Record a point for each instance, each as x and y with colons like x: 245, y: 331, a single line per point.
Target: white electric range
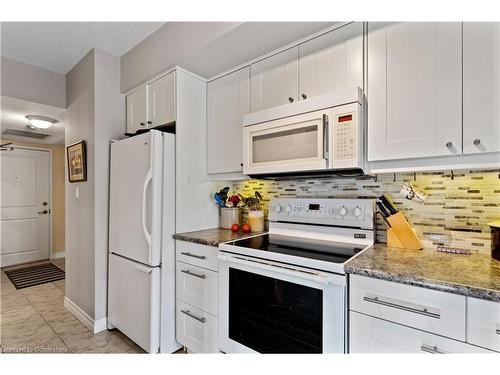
x: 285, y: 291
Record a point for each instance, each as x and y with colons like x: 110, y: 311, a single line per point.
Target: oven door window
x: 270, y: 315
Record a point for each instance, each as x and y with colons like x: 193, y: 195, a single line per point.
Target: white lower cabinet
x: 196, y: 284
x: 483, y: 323
x: 372, y: 335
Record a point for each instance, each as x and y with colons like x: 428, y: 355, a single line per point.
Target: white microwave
x: 322, y: 134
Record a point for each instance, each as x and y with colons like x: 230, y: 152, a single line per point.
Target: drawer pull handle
x: 202, y: 257
x: 198, y: 318
x: 498, y: 331
x: 188, y: 272
x: 424, y: 311
x: 431, y: 349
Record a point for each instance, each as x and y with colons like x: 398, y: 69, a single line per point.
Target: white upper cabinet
x: 161, y: 101
x: 414, y: 90
x: 136, y: 110
x: 332, y: 61
x: 227, y: 102
x: 481, y: 129
x: 274, y: 80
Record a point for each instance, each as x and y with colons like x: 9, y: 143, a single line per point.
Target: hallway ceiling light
x: 40, y: 122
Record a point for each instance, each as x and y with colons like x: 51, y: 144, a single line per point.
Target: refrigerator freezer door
x: 134, y: 301
x: 135, y: 202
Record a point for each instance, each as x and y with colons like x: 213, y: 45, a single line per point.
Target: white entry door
x: 24, y: 206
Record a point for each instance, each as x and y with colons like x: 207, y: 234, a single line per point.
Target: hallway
x: 34, y: 320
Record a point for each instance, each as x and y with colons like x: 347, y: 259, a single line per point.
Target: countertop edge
x: 443, y: 286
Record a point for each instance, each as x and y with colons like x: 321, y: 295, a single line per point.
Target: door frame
x: 51, y: 216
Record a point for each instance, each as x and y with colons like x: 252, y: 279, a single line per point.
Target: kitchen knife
x: 389, y: 199
x: 382, y: 210
x: 390, y: 207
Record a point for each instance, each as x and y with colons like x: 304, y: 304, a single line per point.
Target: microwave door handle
x: 325, y: 136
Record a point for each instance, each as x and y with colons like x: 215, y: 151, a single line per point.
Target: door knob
x: 304, y: 96
x: 44, y: 212
x: 44, y: 203
x: 290, y: 99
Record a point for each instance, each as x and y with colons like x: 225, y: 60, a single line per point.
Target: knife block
x: 401, y: 234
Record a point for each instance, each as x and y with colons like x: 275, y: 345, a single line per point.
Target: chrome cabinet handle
x: 150, y: 122
x: 198, y: 318
x: 477, y: 142
x: 431, y: 349
x: 142, y: 123
x: 498, y: 331
x: 449, y: 144
x: 188, y: 254
x: 423, y: 311
x: 325, y: 136
x: 290, y: 99
x: 188, y: 272
x: 44, y: 212
x: 304, y: 96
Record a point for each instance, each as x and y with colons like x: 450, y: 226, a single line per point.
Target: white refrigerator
x: 141, y: 288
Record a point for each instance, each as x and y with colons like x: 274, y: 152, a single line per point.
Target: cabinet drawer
x: 195, y: 329
x: 372, y: 335
x: 483, y: 323
x: 197, y: 286
x: 425, y: 309
x: 198, y: 255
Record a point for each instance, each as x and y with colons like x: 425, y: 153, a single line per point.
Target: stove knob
x: 288, y: 208
x: 343, y: 211
x: 358, y: 211
x: 278, y: 208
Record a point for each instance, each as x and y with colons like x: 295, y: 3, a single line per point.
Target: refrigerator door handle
x: 147, y: 180
x: 144, y: 269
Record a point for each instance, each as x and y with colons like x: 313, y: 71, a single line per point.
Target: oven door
x: 293, y: 144
x: 269, y: 307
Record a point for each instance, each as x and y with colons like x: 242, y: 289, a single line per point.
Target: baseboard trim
x: 57, y: 255
x: 82, y: 316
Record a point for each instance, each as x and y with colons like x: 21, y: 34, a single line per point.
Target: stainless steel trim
x: 424, y: 311
x: 188, y: 313
x: 325, y: 137
x: 188, y: 272
x: 431, y: 349
x: 202, y: 257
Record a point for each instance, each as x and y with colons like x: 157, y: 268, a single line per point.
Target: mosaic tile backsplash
x: 455, y: 214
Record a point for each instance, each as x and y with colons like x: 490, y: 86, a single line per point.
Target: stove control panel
x: 358, y: 213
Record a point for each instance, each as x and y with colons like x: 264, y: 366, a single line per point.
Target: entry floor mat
x: 34, y: 275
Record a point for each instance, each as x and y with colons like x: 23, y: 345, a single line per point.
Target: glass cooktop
x: 328, y: 251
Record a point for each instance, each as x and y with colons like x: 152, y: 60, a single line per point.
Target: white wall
x: 95, y: 113
x: 33, y: 84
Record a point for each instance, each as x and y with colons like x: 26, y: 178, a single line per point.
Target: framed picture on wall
x: 77, y: 162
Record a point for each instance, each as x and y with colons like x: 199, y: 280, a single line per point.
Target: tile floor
x: 34, y: 320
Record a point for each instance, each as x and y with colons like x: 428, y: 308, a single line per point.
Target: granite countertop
x: 214, y: 236
x: 476, y: 275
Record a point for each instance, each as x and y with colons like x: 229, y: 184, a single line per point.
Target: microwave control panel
x: 345, y: 136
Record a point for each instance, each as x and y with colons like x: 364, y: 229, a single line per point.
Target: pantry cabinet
x: 326, y: 63
x: 227, y: 101
x: 481, y: 96
x: 332, y: 61
x: 161, y: 101
x: 274, y: 80
x: 137, y: 110
x: 414, y: 90
x: 152, y: 104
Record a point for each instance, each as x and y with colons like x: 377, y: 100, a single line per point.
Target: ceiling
x: 13, y: 112
x: 58, y: 46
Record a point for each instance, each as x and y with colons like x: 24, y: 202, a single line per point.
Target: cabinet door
x: 136, y: 110
x: 481, y: 87
x: 274, y: 81
x: 414, y: 90
x: 332, y: 61
x: 372, y: 335
x: 161, y: 101
x: 227, y: 102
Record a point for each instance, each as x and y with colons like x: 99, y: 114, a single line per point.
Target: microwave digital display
x: 314, y: 207
x: 345, y: 118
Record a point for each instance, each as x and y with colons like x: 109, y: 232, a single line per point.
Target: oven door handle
x: 319, y: 278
